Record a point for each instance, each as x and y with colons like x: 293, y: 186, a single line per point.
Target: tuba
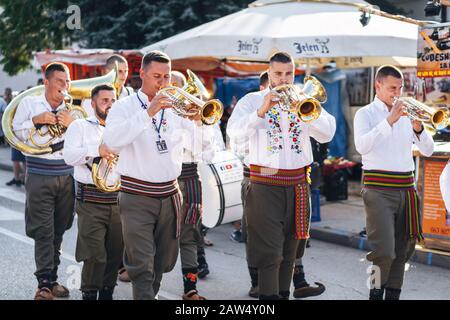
x: 188, y: 101
x: 79, y: 89
x: 305, y: 102
x: 432, y: 118
x: 101, y: 168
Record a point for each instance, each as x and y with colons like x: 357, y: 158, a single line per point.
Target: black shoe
x: 18, y: 183
x: 253, y: 292
x: 376, y: 294
x: 89, y: 295
x: 203, y: 271
x: 392, y: 294
x: 363, y: 233
x: 106, y: 293
x: 236, y: 236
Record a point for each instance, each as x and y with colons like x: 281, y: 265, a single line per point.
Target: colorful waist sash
x: 48, y: 167
x: 192, y: 206
x: 246, y: 171
x: 155, y: 190
x: 90, y: 193
x: 400, y: 181
x: 298, y: 178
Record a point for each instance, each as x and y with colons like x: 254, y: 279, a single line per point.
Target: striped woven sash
x: 192, y: 206
x: 90, y: 193
x: 48, y: 167
x: 298, y: 178
x: 401, y: 181
x: 246, y: 171
x: 155, y: 190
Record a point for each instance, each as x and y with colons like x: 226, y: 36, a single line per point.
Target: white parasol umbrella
x: 306, y: 29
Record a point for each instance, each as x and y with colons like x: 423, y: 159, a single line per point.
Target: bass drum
x: 221, y: 189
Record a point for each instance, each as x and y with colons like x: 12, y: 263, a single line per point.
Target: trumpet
x: 305, y: 102
x: 101, y: 169
x: 432, y: 118
x: 188, y: 101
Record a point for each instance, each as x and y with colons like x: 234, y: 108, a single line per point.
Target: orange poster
x: 434, y: 214
x: 433, y: 51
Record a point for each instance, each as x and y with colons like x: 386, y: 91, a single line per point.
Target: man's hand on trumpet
x: 45, y: 118
x: 398, y: 110
x: 106, y: 152
x: 270, y: 99
x: 160, y: 101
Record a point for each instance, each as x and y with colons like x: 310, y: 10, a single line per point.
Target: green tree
x: 30, y: 25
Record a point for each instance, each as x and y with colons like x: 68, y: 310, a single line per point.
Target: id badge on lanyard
x: 161, y: 144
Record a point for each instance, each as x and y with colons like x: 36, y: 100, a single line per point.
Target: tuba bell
x: 192, y: 100
x: 432, y: 118
x: 78, y: 90
x: 101, y: 169
x: 305, y: 102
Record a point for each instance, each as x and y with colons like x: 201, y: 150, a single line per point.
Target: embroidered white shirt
x: 384, y: 147
x: 245, y: 123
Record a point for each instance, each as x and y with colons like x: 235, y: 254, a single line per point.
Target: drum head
x: 221, y: 189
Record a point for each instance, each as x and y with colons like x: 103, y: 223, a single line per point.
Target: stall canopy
x: 311, y: 30
x: 86, y: 63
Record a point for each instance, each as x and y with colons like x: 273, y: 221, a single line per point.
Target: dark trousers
x: 386, y: 234
x: 272, y: 247
x: 148, y: 226
x: 49, y: 212
x: 99, y: 244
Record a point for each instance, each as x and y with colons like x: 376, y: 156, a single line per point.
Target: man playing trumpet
x: 151, y: 139
x: 99, y: 243
x: 276, y: 205
x: 384, y: 137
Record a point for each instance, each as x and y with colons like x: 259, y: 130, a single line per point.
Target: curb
x: 354, y: 240
x: 6, y: 167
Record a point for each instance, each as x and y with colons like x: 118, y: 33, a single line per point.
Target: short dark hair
x: 155, y: 55
x: 263, y: 78
x: 388, y: 70
x: 111, y: 61
x: 55, y: 66
x: 282, y: 57
x: 100, y: 87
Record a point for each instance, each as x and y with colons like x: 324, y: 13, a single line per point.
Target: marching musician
x: 151, y: 139
x: 191, y: 189
x: 384, y: 137
x: 122, y: 76
x: 99, y: 242
x: 277, y: 200
x: 49, y: 183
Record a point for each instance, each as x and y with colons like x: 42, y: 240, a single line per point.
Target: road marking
x: 162, y: 294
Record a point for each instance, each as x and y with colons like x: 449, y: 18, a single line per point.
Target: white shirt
x: 444, y: 182
x: 130, y: 131
x: 83, y: 137
x: 384, y: 147
x: 244, y: 122
x: 29, y: 107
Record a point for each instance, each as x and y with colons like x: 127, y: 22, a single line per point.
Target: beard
x: 102, y: 115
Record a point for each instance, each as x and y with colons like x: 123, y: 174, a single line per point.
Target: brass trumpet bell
x: 432, y: 118
x: 305, y: 102
x: 192, y: 100
x: 101, y: 169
